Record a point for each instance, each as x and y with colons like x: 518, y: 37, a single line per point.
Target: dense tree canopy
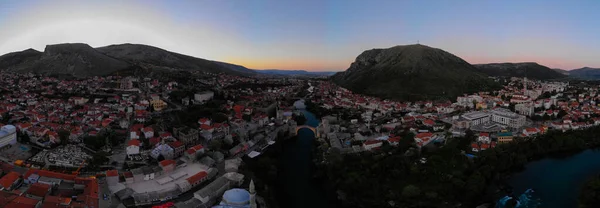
x: 374, y: 179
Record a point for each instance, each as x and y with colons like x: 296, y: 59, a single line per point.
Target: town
x: 128, y: 141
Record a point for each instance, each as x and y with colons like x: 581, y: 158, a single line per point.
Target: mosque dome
x: 236, y: 197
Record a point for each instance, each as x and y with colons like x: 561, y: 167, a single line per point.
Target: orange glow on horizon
x: 287, y: 64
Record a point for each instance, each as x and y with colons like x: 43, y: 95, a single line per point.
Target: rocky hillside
x: 412, y: 72
x: 80, y: 60
x: 150, y: 56
x: 586, y: 73
x: 529, y: 69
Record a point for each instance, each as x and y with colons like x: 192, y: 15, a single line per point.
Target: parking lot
x: 16, y: 152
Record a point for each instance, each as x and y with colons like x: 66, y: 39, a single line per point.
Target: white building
x: 477, y: 117
x: 163, y: 149
x: 8, y: 135
x: 203, y: 96
x: 524, y: 109
x: 508, y: 118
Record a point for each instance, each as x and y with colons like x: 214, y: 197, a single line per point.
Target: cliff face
x: 412, y: 72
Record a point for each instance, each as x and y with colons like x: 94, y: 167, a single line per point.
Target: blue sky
x: 315, y: 35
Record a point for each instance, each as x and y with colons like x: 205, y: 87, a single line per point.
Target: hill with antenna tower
x: 412, y: 72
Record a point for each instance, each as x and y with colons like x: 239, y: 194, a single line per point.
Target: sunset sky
x: 315, y: 35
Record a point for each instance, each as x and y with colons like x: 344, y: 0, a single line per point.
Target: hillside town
x: 125, y: 141
x: 131, y: 141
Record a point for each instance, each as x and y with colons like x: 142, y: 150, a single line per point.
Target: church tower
x: 252, y: 195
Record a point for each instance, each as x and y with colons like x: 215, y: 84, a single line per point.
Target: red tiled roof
x: 23, y: 202
x: 165, y: 163
x: 8, y: 180
x: 50, y: 174
x: 484, y: 134
x: 38, y: 189
x: 421, y: 135
x: 112, y: 173
x: 206, y: 127
x: 196, y: 177
x: 394, y: 139
x: 133, y: 142
x: 175, y: 144
x: 154, y: 140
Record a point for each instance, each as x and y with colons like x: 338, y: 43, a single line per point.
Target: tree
x: 411, y: 191
x: 215, y: 144
x: 63, y: 135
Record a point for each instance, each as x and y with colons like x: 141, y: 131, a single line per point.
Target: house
x: 505, y: 137
x: 112, y: 177
x: 204, y: 121
x: 372, y: 144
x: 531, y: 131
x: 207, y: 128
x: 177, y: 147
x: 394, y: 140
x: 133, y: 147
x: 24, y: 202
x: 423, y: 139
x: 197, y: 178
x: 428, y: 122
x: 148, y: 132
x: 476, y: 147
x: 162, y: 149
x: 484, y: 138
x: 167, y: 165
x: 194, y: 151
x: 38, y: 191
x: 10, y: 181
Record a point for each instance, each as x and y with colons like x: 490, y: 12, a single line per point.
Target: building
x: 525, y: 109
x: 177, y: 147
x: 476, y: 117
x: 133, y: 147
x: 372, y: 144
x: 505, y: 137
x: 126, y: 83
x: 193, y: 152
x: 167, y: 165
x: 187, y: 135
x: 8, y: 136
x: 508, y: 118
x: 10, y: 181
x: 162, y: 149
x: 112, y: 177
x: 158, y: 104
x: 203, y: 96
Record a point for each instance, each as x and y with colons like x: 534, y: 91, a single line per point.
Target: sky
x: 315, y: 35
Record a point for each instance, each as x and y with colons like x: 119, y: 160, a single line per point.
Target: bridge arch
x: 313, y: 129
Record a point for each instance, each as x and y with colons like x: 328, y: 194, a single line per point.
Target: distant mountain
x: 19, y: 59
x: 81, y: 60
x: 528, y: 69
x: 75, y: 59
x: 412, y: 72
x: 586, y: 73
x: 293, y: 72
x: 562, y: 71
x: 149, y: 56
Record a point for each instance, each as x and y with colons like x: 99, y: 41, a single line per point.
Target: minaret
x: 525, y: 86
x: 252, y: 195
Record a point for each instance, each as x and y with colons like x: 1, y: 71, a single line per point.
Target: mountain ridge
x: 531, y: 70
x: 81, y: 60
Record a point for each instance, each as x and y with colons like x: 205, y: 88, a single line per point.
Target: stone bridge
x: 313, y: 129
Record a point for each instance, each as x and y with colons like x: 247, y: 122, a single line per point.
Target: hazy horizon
x: 314, y: 35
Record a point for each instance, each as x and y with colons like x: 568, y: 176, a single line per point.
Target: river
x: 297, y: 189
x: 558, y: 181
